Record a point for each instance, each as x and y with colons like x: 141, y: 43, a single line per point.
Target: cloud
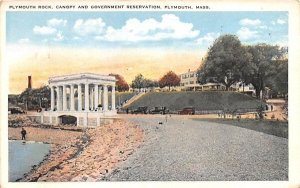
x: 24, y: 41
x: 89, y: 26
x: 44, y: 30
x: 207, y: 39
x: 246, y: 34
x: 76, y: 38
x: 50, y: 28
x: 56, y: 22
x: 134, y: 30
x: 59, y: 36
x: 281, y: 21
x: 278, y: 21
x: 249, y: 22
x: 263, y: 27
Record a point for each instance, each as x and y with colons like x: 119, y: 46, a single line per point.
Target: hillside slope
x: 206, y: 100
x: 121, y: 97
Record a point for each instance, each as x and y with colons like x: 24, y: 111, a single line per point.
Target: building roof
x: 81, y: 76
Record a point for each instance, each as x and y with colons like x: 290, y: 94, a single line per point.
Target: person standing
x: 23, y: 133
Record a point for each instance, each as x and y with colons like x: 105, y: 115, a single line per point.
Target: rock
x: 90, y: 179
x: 77, y: 179
x: 108, y: 145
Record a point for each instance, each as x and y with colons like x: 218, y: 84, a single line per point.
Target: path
x: 188, y: 150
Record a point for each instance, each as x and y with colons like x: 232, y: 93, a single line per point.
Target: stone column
x: 52, y: 98
x: 105, y: 98
x: 79, y: 98
x: 86, y: 97
x: 113, y: 97
x: 72, y: 105
x: 64, y: 98
x: 96, y: 96
x: 100, y: 96
x: 91, y: 99
x: 58, y: 103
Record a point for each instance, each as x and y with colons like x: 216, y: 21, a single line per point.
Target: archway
x: 68, y: 120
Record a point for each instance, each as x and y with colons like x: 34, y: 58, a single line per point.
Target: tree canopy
x: 150, y: 83
x: 138, y: 82
x: 169, y: 79
x: 121, y: 84
x: 34, y: 98
x: 279, y: 82
x: 225, y: 63
x: 229, y: 62
x: 263, y: 66
x: 141, y: 82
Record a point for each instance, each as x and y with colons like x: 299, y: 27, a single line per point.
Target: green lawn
x: 205, y: 100
x: 121, y: 97
x: 272, y: 127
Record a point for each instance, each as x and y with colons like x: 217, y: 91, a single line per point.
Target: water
x: 22, y: 156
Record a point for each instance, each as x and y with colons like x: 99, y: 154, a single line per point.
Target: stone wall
x: 35, y: 119
x: 46, y: 120
x: 92, y: 121
x: 80, y: 121
x: 54, y: 120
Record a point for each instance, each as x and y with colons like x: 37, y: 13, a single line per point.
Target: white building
x: 189, y: 82
x: 241, y: 87
x: 83, y: 96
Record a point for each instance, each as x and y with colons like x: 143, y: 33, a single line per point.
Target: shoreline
x: 81, y: 156
x: 28, y: 142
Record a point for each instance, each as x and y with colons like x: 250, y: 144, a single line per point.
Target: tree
x: 225, y: 63
x: 262, y: 65
x: 34, y: 98
x: 169, y: 79
x: 279, y: 82
x: 121, y: 84
x: 138, y: 82
x: 150, y: 83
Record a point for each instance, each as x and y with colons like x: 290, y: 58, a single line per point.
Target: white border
x: 293, y: 7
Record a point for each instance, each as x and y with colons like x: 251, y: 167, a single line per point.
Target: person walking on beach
x: 23, y: 133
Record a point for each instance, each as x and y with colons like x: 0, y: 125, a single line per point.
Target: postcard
x: 143, y: 93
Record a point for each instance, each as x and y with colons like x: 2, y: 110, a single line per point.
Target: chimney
x: 29, y: 82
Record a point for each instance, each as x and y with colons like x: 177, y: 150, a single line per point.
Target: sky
x: 44, y: 44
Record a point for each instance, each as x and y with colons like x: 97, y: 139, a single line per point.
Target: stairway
x: 134, y: 98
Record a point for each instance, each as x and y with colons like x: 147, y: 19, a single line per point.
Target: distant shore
x: 81, y: 156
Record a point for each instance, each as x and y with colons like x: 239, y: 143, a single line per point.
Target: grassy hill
x: 206, y: 100
x: 121, y: 97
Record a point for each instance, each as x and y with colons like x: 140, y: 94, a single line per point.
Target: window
x: 191, y: 82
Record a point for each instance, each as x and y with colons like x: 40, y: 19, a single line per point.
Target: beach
x: 81, y: 155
